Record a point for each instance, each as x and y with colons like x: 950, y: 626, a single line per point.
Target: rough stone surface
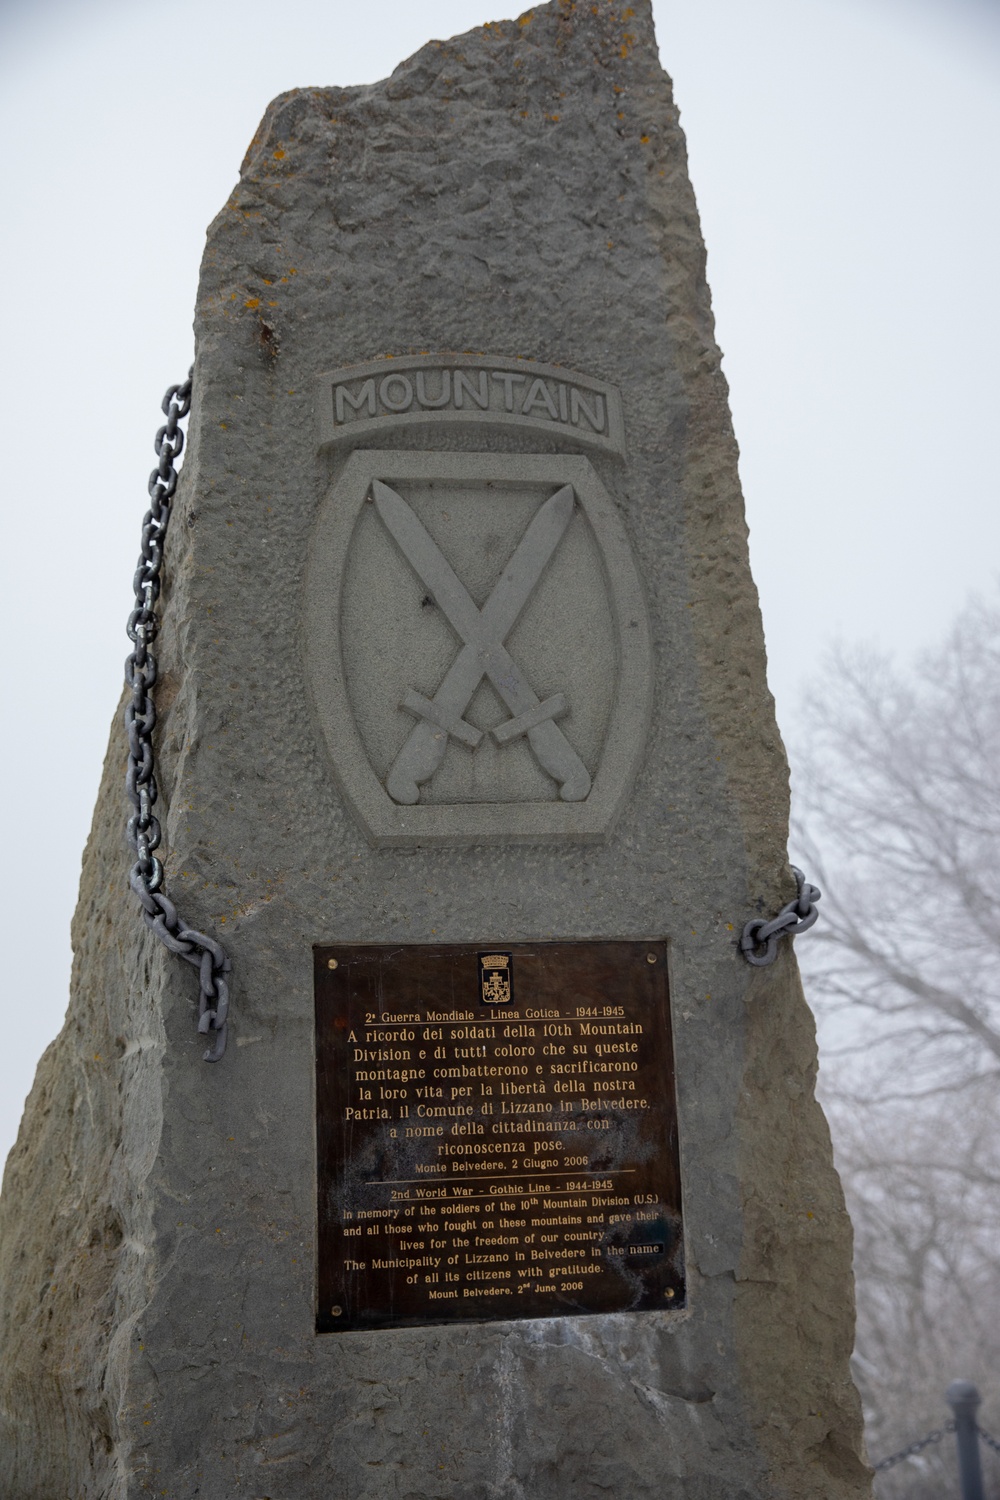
x: 520, y: 191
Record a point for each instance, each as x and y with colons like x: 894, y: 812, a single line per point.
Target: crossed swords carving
x: 483, y: 654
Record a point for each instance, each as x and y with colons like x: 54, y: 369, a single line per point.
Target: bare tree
x: 898, y: 791
x: 923, y: 1187
x: 898, y: 820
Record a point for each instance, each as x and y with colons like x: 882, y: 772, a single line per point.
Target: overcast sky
x: 844, y: 155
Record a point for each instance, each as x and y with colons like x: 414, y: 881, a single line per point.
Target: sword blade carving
x: 483, y: 652
x: 427, y: 561
x: 528, y: 561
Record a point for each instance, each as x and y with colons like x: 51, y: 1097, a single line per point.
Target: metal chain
x: 759, y: 939
x: 991, y: 1442
x: 146, y: 877
x: 914, y: 1448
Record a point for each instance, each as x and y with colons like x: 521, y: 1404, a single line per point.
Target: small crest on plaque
x: 495, y: 978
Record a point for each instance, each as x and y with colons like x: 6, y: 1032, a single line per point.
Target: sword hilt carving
x: 556, y: 755
x: 416, y: 762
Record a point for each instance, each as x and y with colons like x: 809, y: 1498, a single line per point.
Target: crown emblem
x: 495, y: 978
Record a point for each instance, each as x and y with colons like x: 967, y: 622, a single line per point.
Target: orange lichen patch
x: 524, y: 114
x: 526, y: 19
x: 252, y: 302
x: 644, y: 139
x: 621, y: 114
x: 553, y: 118
x: 279, y: 156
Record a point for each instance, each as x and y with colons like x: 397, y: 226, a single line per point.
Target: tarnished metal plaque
x: 496, y: 1133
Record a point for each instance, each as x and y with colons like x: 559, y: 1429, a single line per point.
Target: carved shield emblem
x: 478, y: 647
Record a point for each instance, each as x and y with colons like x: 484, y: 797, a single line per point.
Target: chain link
x: 759, y: 939
x: 146, y: 877
x: 914, y: 1448
x: 991, y: 1442
x: 925, y: 1442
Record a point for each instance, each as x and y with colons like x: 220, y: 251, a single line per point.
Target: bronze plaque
x: 496, y: 1133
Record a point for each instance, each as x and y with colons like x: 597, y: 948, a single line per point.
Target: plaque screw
x: 651, y: 958
x: 670, y: 1294
x: 331, y: 963
x: 336, y: 1312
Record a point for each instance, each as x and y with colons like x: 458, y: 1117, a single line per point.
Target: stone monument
x: 511, y: 1184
